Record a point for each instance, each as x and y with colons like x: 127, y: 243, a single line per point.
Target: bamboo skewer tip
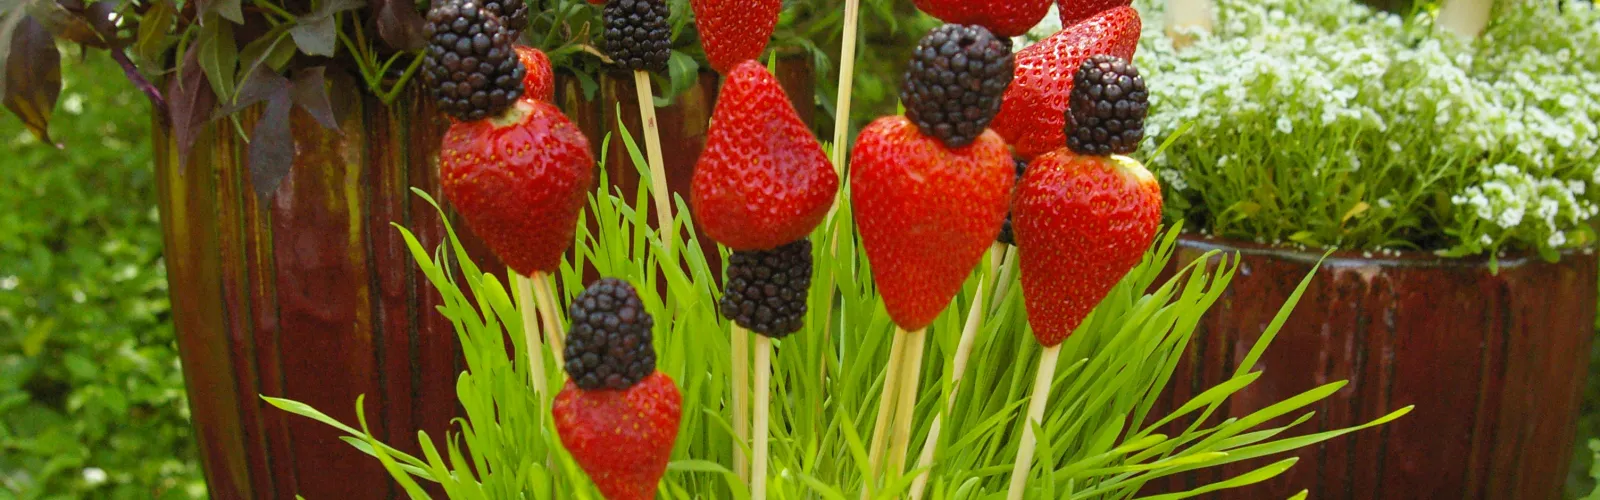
x: 1036, y: 407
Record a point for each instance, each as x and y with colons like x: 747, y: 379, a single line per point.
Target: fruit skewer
x: 511, y: 164
x: 638, y: 38
x: 938, y: 170
x: 1085, y: 216
x: 761, y: 186
x: 732, y: 32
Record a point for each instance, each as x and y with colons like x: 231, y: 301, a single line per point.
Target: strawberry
x: 1006, y: 18
x: 519, y: 180
x: 1082, y: 222
x: 541, y: 81
x: 762, y: 180
x: 1073, y: 11
x: 733, y: 31
x: 1032, y: 116
x: 926, y: 211
x: 621, y: 438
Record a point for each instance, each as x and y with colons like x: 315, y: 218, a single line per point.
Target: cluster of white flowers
x: 1314, y: 106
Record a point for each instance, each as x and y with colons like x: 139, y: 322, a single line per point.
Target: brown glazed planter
x: 1494, y: 363
x: 312, y: 296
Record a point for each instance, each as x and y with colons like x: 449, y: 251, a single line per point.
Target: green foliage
x: 827, y: 381
x: 1323, y: 123
x: 91, y: 395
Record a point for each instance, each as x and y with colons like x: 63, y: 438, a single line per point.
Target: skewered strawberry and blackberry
x: 637, y: 35
x: 766, y: 290
x: 469, y: 63
x: 1108, y: 106
x: 761, y: 185
x: 618, y: 416
x: 955, y: 82
x: 609, y: 345
x: 1033, y: 117
x: 1085, y: 217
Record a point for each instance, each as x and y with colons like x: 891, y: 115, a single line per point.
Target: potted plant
x: 288, y: 135
x: 1452, y: 179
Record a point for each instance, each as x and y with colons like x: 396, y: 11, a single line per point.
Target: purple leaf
x: 311, y: 95
x: 399, y: 24
x: 272, y: 145
x: 189, y: 103
x: 315, y: 33
x: 259, y: 85
x: 33, y: 76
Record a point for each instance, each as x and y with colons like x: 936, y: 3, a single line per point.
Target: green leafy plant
x: 1325, y: 123
x: 1101, y: 439
x: 91, y: 393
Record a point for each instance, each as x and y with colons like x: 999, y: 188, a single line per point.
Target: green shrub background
x: 89, y: 374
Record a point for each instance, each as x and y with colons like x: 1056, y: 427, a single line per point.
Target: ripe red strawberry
x: 926, y: 212
x: 1006, y: 18
x: 1032, y: 116
x: 762, y: 180
x: 733, y: 31
x: 519, y: 180
x: 1081, y: 222
x: 540, y: 83
x: 621, y: 438
x: 1073, y: 11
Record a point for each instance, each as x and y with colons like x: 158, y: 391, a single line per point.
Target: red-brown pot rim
x: 1387, y: 258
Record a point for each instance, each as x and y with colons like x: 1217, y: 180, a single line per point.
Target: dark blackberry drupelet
x: 469, y: 62
x: 514, y: 13
x: 766, y: 289
x: 1107, y: 107
x: 1006, y: 236
x: 637, y: 34
x: 955, y: 82
x: 609, y: 345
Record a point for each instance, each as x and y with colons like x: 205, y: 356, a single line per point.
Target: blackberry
x: 955, y: 82
x: 638, y: 37
x: 609, y: 345
x: 514, y: 13
x: 469, y: 63
x: 766, y: 289
x: 1005, y: 229
x: 1107, y: 107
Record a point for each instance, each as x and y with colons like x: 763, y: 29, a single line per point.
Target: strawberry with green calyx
x: 733, y: 31
x: 1007, y: 18
x: 1032, y: 117
x: 617, y: 415
x: 1074, y: 11
x: 519, y: 180
x: 762, y: 180
x: 927, y: 212
x: 540, y: 82
x: 1085, y: 215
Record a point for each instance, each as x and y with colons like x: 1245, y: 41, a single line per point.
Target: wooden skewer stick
x: 906, y: 408
x: 739, y: 338
x: 1465, y: 18
x: 847, y: 69
x: 658, y: 170
x: 758, y: 476
x: 551, y: 313
x: 1041, y: 394
x: 958, y: 364
x: 530, y: 332
x: 886, y: 406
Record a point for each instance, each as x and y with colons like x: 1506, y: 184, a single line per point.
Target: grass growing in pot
x: 1099, y: 439
x: 1328, y: 124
